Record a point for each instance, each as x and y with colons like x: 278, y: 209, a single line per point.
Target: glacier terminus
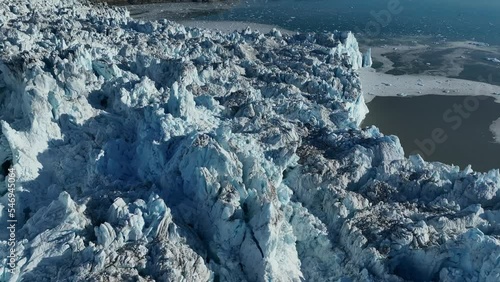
x: 150, y: 151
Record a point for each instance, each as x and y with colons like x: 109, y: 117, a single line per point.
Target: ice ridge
x: 149, y: 151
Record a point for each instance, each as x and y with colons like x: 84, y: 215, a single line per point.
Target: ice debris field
x: 148, y: 151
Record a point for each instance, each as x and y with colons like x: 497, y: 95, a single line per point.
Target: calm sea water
x: 453, y: 19
x: 449, y: 129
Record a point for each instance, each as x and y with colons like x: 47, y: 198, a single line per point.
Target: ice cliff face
x: 154, y: 152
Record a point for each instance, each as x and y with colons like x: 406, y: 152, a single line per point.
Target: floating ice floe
x: 494, y: 60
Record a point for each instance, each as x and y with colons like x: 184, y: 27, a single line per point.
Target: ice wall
x: 148, y: 151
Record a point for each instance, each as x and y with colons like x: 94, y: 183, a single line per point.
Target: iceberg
x: 150, y: 151
x: 494, y: 60
x: 367, y: 58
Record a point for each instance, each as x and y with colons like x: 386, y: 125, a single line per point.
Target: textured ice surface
x: 148, y: 151
x: 367, y: 58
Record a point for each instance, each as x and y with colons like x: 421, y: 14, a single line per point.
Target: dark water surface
x: 451, y: 19
x: 449, y: 129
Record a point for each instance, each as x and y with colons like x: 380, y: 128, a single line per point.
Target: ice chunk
x: 367, y: 58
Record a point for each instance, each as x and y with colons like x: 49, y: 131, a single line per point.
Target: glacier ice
x: 367, y: 58
x: 149, y: 151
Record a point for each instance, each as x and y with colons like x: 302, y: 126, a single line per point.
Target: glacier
x: 149, y: 151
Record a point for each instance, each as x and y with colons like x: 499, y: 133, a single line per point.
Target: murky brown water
x: 449, y: 129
